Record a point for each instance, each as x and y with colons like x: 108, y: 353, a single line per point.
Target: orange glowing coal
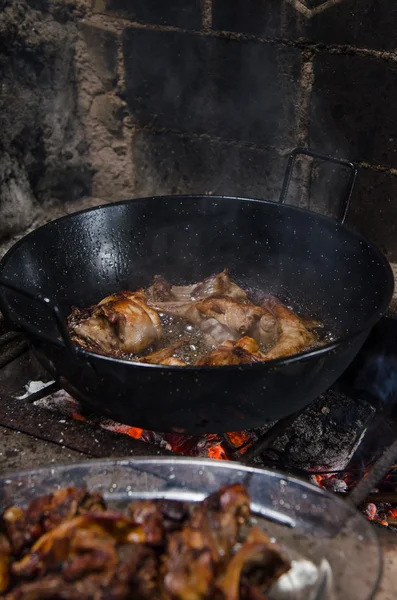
x: 241, y: 440
x: 210, y: 444
x: 217, y: 452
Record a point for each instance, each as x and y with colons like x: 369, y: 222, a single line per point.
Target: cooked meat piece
x: 160, y: 290
x: 162, y: 551
x: 175, y: 513
x: 158, y: 517
x: 221, y: 318
x: 134, y: 576
x: 206, y: 541
x: 52, y: 587
x: 244, y: 351
x: 122, y: 323
x: 258, y: 561
x: 248, y: 591
x: 54, y: 547
x: 45, y: 513
x: 240, y: 319
x: 219, y: 285
x: 293, y: 335
x: 223, y: 514
x: 173, y: 361
x: 165, y: 356
x: 189, y: 565
x: 148, y: 514
x: 5, y: 563
x: 19, y: 534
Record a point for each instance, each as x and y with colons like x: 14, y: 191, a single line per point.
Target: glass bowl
x: 334, y: 549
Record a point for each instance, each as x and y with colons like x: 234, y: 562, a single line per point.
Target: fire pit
x: 333, y: 443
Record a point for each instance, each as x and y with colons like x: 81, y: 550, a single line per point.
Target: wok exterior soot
x: 333, y: 274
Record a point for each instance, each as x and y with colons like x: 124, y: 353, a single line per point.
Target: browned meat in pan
x: 122, y: 323
x: 216, y: 285
x: 165, y: 356
x: 212, y: 323
x: 293, y: 337
x: 243, y: 351
x: 222, y: 318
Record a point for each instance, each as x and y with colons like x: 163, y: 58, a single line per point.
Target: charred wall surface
x: 109, y: 99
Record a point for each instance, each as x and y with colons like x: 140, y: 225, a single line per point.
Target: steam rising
x: 377, y: 374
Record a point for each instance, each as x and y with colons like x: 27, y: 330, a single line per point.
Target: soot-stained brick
x: 358, y: 23
x: 180, y: 13
x: 166, y: 163
x: 373, y: 210
x: 102, y: 49
x: 353, y: 109
x: 242, y: 90
x: 265, y: 18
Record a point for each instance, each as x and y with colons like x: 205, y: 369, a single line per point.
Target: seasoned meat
x: 237, y: 319
x: 205, y: 543
x: 213, y: 314
x: 132, y: 573
x: 98, y: 531
x: 223, y: 514
x: 158, y: 517
x: 293, y: 337
x: 45, y: 513
x: 5, y: 563
x: 245, y: 350
x: 165, y: 356
x: 258, y: 562
x: 122, y: 323
x: 164, y: 550
x: 222, y: 318
x: 175, y: 513
x: 218, y: 285
x: 189, y: 566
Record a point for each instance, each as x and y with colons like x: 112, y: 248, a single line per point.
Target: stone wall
x: 122, y: 98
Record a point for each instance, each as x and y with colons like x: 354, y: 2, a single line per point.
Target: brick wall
x: 210, y: 96
x: 220, y: 90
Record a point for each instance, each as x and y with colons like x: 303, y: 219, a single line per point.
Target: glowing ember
x: 217, y: 452
x: 208, y: 445
x: 242, y: 440
x: 381, y: 505
x: 134, y: 432
x: 78, y: 417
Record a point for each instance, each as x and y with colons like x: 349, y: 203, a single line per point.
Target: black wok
x: 312, y: 261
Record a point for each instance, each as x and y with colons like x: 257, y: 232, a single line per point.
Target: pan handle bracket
x: 52, y: 308
x: 338, y: 161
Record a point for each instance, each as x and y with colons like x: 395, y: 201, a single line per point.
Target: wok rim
x: 271, y: 364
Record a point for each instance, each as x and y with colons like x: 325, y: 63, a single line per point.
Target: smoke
x: 377, y: 374
x: 378, y: 378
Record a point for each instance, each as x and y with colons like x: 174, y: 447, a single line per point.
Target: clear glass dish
x: 335, y: 550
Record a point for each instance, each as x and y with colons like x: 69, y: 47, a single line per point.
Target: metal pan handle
x: 338, y: 161
x: 51, y: 307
